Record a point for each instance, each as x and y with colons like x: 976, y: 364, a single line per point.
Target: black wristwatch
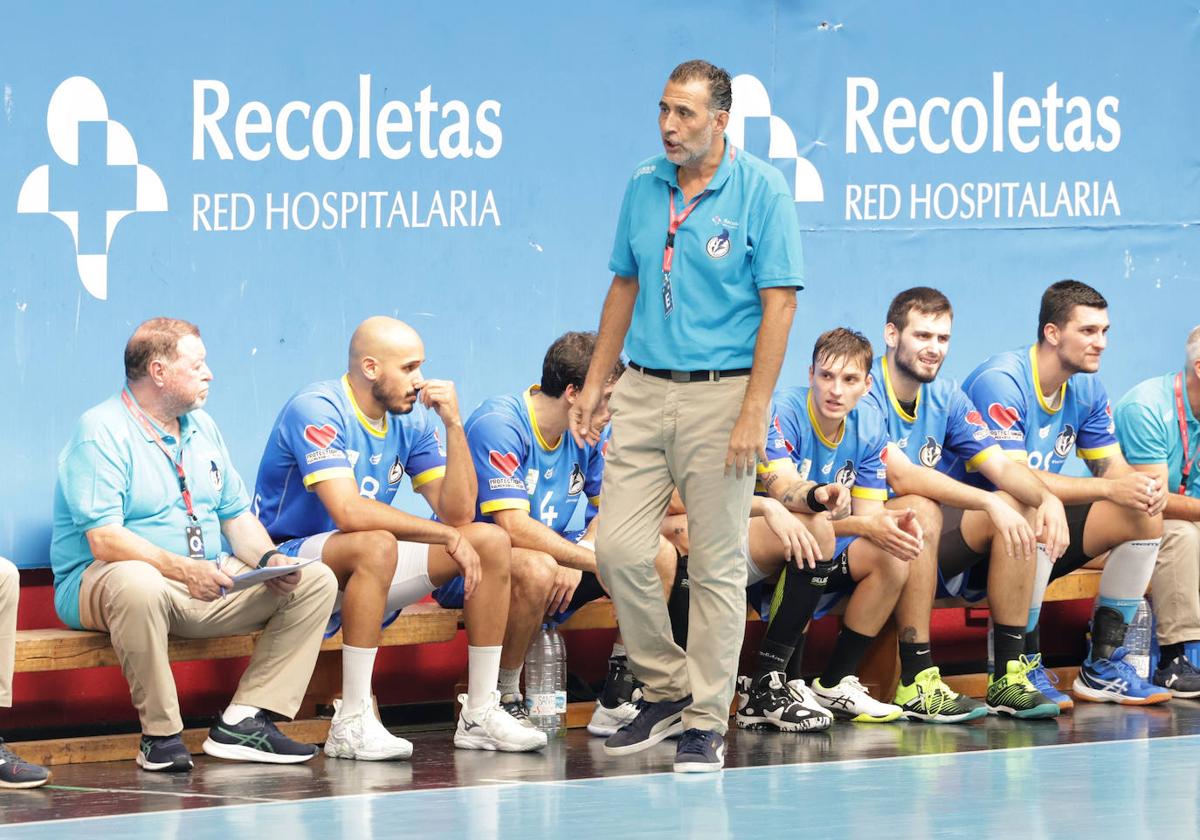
x: 266, y: 558
x: 811, y: 499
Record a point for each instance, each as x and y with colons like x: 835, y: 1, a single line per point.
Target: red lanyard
x: 140, y: 416
x: 675, y: 220
x: 1183, y: 434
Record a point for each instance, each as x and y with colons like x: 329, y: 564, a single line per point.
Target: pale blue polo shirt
x: 112, y: 473
x: 742, y: 237
x: 1148, y: 429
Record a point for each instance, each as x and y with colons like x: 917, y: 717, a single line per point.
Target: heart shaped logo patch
x: 320, y: 436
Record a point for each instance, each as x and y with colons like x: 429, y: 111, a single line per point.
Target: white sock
x: 618, y: 649
x: 483, y: 672
x: 1041, y: 579
x: 1126, y: 575
x: 235, y: 713
x: 357, y: 666
x: 509, y: 681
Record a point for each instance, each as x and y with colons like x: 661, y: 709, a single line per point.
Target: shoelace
x: 8, y: 755
x: 851, y: 683
x: 694, y: 741
x: 1127, y: 671
x: 1036, y: 667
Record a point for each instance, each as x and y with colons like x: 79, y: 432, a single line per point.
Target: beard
x: 389, y: 401
x: 689, y: 155
x: 907, y: 363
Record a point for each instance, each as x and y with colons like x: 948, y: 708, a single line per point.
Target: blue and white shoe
x: 1046, y: 682
x: 699, y: 751
x: 1115, y: 681
x: 655, y: 722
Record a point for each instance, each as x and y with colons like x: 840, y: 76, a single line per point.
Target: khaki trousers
x: 10, y: 588
x: 664, y: 435
x: 1175, y: 584
x: 139, y: 608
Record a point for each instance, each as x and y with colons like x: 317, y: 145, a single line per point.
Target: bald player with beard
x: 334, y: 460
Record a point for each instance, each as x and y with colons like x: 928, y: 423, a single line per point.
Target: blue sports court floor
x: 1098, y: 772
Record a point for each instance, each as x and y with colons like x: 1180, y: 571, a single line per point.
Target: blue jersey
x: 943, y: 431
x: 1008, y: 392
x: 856, y: 459
x: 321, y: 433
x: 517, y: 470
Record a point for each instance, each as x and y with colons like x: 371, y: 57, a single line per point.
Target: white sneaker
x: 807, y: 698
x: 606, y: 721
x: 357, y: 733
x: 850, y: 700
x: 492, y: 728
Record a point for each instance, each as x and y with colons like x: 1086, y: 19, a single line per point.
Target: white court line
x: 142, y: 792
x: 810, y: 766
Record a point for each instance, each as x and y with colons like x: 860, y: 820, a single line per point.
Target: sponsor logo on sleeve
x: 326, y: 454
x: 505, y: 484
x: 1005, y: 417
x: 976, y: 419
x: 322, y: 437
x: 504, y: 462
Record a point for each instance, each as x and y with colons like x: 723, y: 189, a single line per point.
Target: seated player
x: 823, y: 433
x: 931, y: 422
x: 145, y: 494
x: 15, y: 772
x: 524, y: 457
x: 332, y: 465
x: 1040, y: 403
x: 1159, y: 432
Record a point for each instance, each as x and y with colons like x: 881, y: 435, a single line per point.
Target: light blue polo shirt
x: 741, y: 237
x: 112, y: 473
x: 1148, y: 429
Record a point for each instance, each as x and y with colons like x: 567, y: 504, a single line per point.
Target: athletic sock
x: 1009, y: 643
x: 357, y: 666
x: 847, y: 654
x: 509, y: 681
x: 235, y: 713
x: 483, y: 672
x: 1167, y: 653
x: 794, y: 670
x: 1033, y: 640
x: 618, y: 651
x: 794, y: 602
x: 915, y: 657
x: 1041, y: 578
x: 1127, y: 574
x: 679, y: 601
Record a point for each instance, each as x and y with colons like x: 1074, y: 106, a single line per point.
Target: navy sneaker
x: 1179, y: 676
x: 15, y: 772
x: 164, y: 753
x: 699, y: 751
x: 654, y: 722
x: 255, y: 739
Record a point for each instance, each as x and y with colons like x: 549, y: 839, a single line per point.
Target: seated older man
x: 145, y: 493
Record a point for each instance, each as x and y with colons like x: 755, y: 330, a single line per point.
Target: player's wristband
x: 588, y: 544
x: 811, y: 499
x: 266, y: 558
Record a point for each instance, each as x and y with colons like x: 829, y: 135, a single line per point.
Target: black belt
x: 690, y: 375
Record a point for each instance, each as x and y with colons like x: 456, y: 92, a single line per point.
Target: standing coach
x: 707, y: 262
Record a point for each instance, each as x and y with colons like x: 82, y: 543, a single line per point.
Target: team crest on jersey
x: 396, y: 471
x: 718, y: 246
x: 931, y: 452
x: 576, y: 485
x: 214, y: 475
x: 1065, y: 442
x: 505, y: 462
x: 847, y: 474
x: 320, y: 436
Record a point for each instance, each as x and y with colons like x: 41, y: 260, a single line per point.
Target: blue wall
x: 572, y: 109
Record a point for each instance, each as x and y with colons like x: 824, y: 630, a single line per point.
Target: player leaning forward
x: 332, y: 465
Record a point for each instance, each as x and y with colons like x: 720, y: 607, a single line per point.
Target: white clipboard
x: 257, y: 576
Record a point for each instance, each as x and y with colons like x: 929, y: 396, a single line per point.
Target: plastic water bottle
x: 545, y: 663
x: 1137, y: 639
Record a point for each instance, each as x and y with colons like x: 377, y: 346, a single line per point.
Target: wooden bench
x: 64, y: 650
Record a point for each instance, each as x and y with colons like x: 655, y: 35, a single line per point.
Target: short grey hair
x: 1193, y: 345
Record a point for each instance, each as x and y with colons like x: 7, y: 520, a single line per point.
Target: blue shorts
x: 450, y: 594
